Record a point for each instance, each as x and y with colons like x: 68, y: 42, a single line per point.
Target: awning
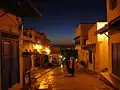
x: 7, y: 34
x: 76, y: 37
x: 21, y: 8
x: 89, y: 47
x: 103, y: 30
x: 114, y: 24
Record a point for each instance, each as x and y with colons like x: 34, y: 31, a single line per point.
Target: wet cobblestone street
x: 57, y: 79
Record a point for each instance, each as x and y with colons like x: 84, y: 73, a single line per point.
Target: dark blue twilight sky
x: 60, y: 17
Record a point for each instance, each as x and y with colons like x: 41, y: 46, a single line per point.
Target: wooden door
x: 6, y: 57
x: 0, y: 66
x: 15, y: 63
x: 90, y: 56
x: 116, y: 59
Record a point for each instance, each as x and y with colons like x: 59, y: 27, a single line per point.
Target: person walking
x: 63, y: 63
x: 67, y: 62
x: 72, y: 66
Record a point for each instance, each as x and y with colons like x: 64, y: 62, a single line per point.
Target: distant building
x: 55, y: 52
x: 81, y: 38
x: 93, y: 49
x: 35, y: 43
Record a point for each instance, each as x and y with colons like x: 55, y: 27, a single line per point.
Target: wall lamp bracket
x: 107, y: 35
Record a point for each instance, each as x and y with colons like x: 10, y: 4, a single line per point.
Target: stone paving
x: 58, y: 79
x: 37, y: 73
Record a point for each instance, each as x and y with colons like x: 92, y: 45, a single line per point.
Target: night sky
x: 61, y: 17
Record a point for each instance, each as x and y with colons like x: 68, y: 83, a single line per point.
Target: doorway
x: 116, y: 59
x: 9, y: 52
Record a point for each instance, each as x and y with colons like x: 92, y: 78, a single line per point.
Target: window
x: 35, y: 38
x: 112, y: 4
x: 30, y: 34
x: 20, y: 26
x: 25, y: 32
x: 84, y: 41
x: 90, y: 57
x: 77, y: 42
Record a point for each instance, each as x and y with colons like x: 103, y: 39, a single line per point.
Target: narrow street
x: 42, y: 42
x: 58, y: 79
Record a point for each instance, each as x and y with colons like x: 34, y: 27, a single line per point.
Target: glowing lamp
x: 101, y: 37
x: 47, y: 50
x: 40, y: 47
x: 36, y: 46
x: 101, y: 25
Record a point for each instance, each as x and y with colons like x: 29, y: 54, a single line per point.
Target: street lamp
x: 38, y: 47
x: 47, y: 50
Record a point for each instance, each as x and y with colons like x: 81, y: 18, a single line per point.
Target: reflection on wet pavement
x: 45, y: 81
x: 56, y: 80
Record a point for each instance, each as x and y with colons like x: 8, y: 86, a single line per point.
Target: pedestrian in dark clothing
x: 37, y: 60
x: 72, y: 66
x: 68, y: 64
x: 46, y: 61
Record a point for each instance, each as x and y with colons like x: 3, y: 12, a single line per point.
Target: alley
x: 39, y: 36
x: 57, y: 79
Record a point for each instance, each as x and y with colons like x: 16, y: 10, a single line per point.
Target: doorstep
x: 15, y: 87
x: 110, y: 80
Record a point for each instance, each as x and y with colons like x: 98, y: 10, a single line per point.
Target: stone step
x: 110, y: 80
